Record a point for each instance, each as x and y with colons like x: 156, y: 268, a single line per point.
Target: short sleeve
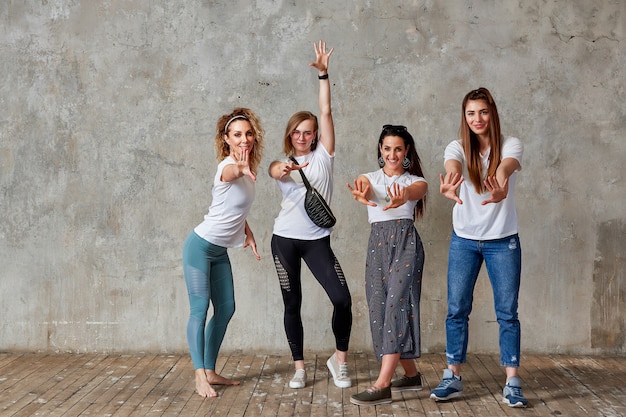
x: 513, y: 148
x: 454, y: 151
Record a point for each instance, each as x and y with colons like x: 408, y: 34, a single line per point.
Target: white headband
x: 239, y: 116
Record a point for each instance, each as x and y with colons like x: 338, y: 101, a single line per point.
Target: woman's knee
x: 198, y: 307
x: 459, y: 309
x: 224, y: 312
x: 343, y: 302
x: 292, y: 308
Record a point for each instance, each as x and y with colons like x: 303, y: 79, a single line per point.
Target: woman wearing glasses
x: 395, y: 197
x: 296, y: 238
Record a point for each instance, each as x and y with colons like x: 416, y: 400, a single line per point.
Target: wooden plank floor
x: 163, y: 385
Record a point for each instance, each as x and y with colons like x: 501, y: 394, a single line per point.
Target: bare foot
x: 203, y: 387
x: 215, y: 379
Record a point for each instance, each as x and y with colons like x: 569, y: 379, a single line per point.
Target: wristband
x: 323, y: 77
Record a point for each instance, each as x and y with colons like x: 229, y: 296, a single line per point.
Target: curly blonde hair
x: 221, y: 147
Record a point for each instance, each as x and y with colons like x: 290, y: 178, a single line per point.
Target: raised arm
x: 326, y: 126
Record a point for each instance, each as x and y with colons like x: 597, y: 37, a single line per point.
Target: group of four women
x: 480, y: 167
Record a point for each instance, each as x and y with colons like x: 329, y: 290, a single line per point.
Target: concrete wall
x: 107, y: 113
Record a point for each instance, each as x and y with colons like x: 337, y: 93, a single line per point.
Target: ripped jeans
x: 503, y: 258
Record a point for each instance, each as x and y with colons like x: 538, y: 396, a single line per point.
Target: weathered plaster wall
x: 107, y: 112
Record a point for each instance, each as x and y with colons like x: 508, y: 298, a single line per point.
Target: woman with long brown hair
x: 482, y: 167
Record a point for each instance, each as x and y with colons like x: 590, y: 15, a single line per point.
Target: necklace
x: 387, y: 198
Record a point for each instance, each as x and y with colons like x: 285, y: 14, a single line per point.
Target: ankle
x: 341, y: 356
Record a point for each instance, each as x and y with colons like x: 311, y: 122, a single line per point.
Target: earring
x: 406, y: 163
x: 381, y: 161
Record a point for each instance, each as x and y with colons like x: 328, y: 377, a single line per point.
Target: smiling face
x: 393, y: 150
x: 302, y: 137
x: 477, y: 117
x: 240, y: 136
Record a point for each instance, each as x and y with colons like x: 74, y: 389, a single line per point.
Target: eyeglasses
x: 296, y: 134
x: 394, y: 128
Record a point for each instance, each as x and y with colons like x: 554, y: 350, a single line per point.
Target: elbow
x: 326, y: 111
x: 272, y: 170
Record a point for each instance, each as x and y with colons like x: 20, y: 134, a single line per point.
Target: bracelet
x: 323, y: 77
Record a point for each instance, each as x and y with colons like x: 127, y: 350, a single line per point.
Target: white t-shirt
x: 379, y: 182
x: 292, y: 221
x: 472, y: 220
x: 224, y: 224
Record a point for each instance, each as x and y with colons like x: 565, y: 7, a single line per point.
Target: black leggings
x: 321, y: 260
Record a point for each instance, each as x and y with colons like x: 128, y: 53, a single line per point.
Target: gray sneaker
x: 512, y: 393
x: 298, y: 380
x: 450, y: 387
x: 339, y: 371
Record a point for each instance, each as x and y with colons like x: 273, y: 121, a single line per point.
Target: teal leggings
x: 209, y: 279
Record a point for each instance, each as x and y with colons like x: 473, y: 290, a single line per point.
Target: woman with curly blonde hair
x: 222, y: 147
x: 207, y: 268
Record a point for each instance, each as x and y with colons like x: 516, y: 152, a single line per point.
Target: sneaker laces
x: 343, y: 371
x: 515, y: 391
x: 373, y: 390
x: 444, y: 383
x: 299, y: 374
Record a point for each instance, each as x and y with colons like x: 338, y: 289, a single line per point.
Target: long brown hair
x: 222, y: 148
x: 293, y: 122
x: 470, y: 143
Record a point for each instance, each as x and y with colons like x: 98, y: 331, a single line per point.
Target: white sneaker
x: 299, y: 379
x: 339, y: 372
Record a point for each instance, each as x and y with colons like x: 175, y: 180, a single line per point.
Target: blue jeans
x: 503, y: 258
